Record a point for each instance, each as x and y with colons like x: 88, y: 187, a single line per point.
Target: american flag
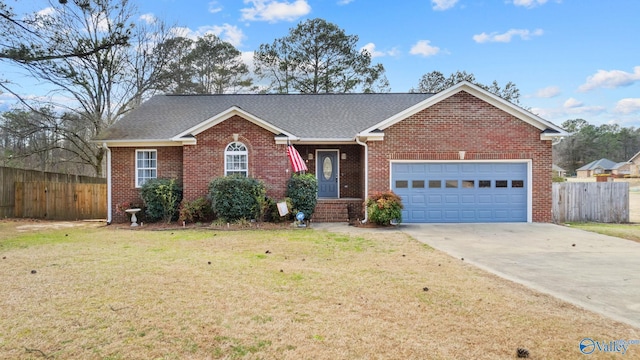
x: 297, y: 163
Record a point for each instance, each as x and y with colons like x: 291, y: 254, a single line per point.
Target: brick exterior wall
x: 205, y: 161
x: 123, y: 174
x: 465, y: 123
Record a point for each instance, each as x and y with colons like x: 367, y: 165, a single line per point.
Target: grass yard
x: 107, y: 293
x: 625, y: 231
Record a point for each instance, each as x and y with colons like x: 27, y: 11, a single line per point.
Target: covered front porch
x: 339, y: 169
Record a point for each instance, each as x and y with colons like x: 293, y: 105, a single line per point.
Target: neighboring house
x: 634, y: 165
x: 558, y: 171
x: 621, y: 169
x: 461, y: 155
x: 596, y: 167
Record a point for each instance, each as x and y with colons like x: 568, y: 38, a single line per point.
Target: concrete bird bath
x: 133, y: 212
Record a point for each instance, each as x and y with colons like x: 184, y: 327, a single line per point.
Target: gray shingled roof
x: 320, y: 116
x: 603, y: 163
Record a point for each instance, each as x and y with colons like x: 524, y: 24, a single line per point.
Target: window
x: 435, y: 184
x: 236, y: 159
x: 417, y: 184
x: 468, y: 184
x: 484, y: 183
x: 146, y: 166
x: 402, y: 184
x: 451, y: 184
x: 501, y: 183
x: 517, y: 183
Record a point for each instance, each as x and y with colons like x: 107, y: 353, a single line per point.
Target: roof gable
x: 548, y: 130
x: 227, y: 114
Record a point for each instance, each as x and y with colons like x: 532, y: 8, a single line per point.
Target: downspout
x: 108, y: 151
x: 557, y: 141
x: 366, y: 173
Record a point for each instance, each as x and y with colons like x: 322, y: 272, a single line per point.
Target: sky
x: 570, y: 58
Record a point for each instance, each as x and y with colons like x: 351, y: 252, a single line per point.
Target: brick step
x: 338, y: 210
x: 331, y: 212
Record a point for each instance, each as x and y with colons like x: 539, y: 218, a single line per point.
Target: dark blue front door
x: 327, y: 173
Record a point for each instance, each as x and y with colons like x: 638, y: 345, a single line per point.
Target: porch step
x: 336, y: 210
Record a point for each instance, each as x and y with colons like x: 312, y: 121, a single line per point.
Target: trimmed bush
x: 302, y: 189
x: 384, y: 207
x: 197, y: 210
x: 161, y: 199
x: 236, y: 197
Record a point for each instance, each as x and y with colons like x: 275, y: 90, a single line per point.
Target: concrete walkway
x: 597, y: 272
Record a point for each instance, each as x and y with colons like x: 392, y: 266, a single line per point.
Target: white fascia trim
x: 529, y: 163
x: 321, y: 141
x: 478, y: 92
x: 146, y: 143
x: 232, y: 111
x: 376, y: 136
x: 552, y: 136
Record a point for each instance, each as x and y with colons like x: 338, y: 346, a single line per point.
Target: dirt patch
x: 26, y: 225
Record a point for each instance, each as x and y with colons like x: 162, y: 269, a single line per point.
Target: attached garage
x: 463, y: 191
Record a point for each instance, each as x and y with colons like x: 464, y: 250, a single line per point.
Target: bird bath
x: 133, y: 212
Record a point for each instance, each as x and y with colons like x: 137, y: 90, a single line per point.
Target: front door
x: 327, y: 173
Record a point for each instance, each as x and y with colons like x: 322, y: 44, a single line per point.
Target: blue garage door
x: 461, y: 192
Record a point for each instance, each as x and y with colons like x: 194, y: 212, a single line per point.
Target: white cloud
x: 148, y: 18
x: 345, y: 2
x: 506, y: 37
x: 628, y: 106
x: 229, y: 33
x: 529, y: 3
x: 371, y: 48
x: 274, y: 11
x: 610, y: 79
x: 424, y: 48
x: 572, y: 103
x: 574, y: 107
x: 548, y: 92
x: 214, y: 7
x: 48, y: 11
x: 443, y: 4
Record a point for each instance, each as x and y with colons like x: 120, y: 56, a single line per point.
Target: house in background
x: 603, y: 166
x: 558, y: 171
x: 461, y: 155
x: 634, y: 165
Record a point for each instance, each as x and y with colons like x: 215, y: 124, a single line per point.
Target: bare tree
x: 96, y: 89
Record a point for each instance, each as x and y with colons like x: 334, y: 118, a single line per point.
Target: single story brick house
x: 461, y: 155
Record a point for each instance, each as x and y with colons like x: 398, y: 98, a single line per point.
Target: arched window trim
x: 236, y: 159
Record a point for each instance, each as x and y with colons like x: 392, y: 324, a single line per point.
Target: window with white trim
x: 236, y: 159
x: 146, y: 166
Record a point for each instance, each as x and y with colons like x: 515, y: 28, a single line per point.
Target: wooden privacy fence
x: 45, y: 195
x: 60, y: 201
x: 605, y: 202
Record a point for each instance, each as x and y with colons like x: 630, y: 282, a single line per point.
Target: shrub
x: 302, y: 189
x: 236, y: 197
x: 384, y: 207
x: 161, y: 199
x: 558, y: 179
x: 195, y: 211
x: 272, y: 213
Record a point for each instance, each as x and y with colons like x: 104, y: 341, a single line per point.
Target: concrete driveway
x: 596, y: 272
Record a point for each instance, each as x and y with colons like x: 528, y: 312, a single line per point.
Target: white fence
x: 605, y: 202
